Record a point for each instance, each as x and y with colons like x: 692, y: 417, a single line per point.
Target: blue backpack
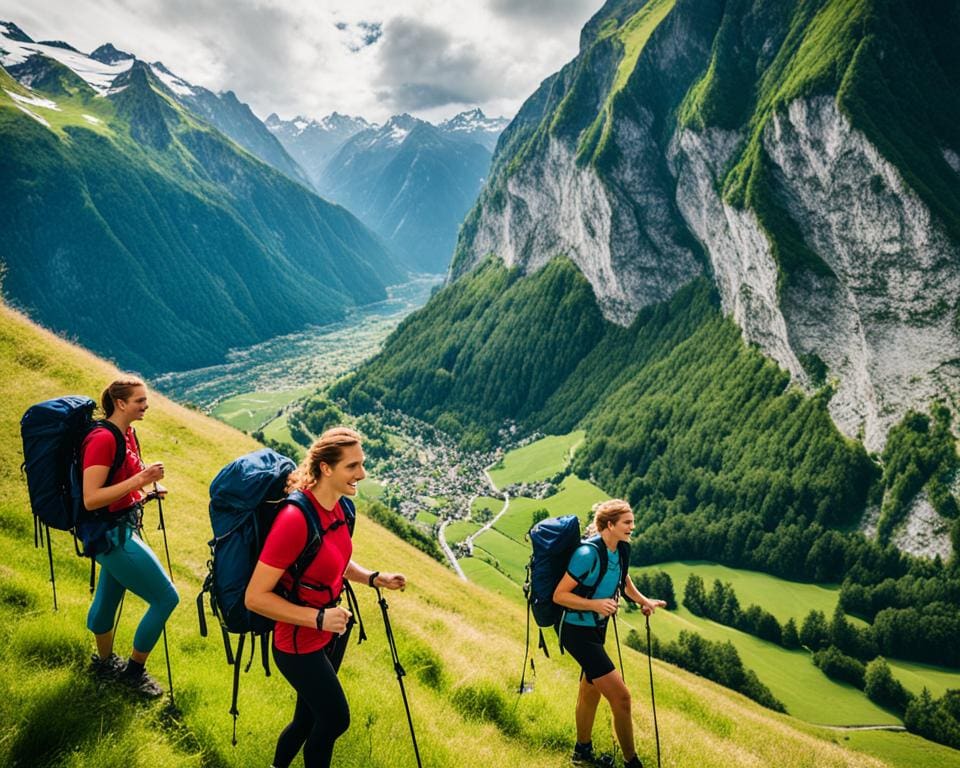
x: 553, y: 542
x: 52, y: 434
x: 245, y: 497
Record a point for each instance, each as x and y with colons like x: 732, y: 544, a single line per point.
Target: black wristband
x: 371, y: 578
x: 320, y: 618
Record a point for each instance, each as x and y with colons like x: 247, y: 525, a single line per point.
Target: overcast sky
x: 375, y: 58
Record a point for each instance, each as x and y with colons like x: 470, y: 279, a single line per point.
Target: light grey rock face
x: 924, y: 532
x: 743, y: 265
x: 886, y: 322
x: 619, y: 232
x: 952, y: 158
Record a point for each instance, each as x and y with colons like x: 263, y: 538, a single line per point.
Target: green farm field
x: 575, y: 497
x: 459, y: 530
x: 538, y: 460
x: 251, y: 411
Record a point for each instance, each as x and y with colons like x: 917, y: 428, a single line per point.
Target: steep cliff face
x: 776, y: 146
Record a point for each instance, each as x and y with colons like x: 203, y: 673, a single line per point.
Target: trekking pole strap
x: 53, y: 580
x: 653, y: 700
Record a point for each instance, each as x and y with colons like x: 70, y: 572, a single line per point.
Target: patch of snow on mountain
x: 397, y: 134
x: 98, y: 75
x: 34, y: 115
x: 952, y: 158
x: 301, y: 125
x: 177, y: 85
x: 33, y: 102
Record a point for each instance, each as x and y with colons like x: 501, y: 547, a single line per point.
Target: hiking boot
x: 583, y: 754
x: 141, y: 683
x: 633, y: 762
x: 109, y: 668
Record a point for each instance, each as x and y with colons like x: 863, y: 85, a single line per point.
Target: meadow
x: 537, y: 461
x: 461, y: 645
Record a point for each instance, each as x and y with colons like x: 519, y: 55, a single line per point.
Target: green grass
x: 576, y: 497
x: 370, y: 488
x: 784, y: 599
x: 482, y: 573
x: 459, y: 530
x: 538, y: 460
x: 791, y: 675
x: 459, y: 643
x: 279, y: 430
x: 251, y: 411
x: 427, y: 518
x: 509, y: 556
x: 902, y: 749
x: 486, y: 502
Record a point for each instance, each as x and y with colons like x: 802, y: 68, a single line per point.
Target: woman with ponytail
x: 306, y: 630
x: 113, y: 495
x: 590, y: 596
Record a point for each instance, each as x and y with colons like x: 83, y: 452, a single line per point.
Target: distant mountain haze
x: 132, y: 222
x: 410, y: 181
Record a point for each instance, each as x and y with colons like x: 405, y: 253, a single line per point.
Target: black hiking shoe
x: 109, y: 668
x: 583, y: 754
x: 633, y: 762
x: 140, y: 683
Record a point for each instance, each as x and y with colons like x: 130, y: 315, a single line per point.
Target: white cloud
x: 362, y: 57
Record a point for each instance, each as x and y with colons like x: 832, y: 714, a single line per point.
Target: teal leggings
x: 130, y: 564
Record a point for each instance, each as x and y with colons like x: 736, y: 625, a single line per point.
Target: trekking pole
x: 616, y: 635
x: 166, y: 649
x: 398, y: 668
x: 53, y: 579
x: 653, y: 699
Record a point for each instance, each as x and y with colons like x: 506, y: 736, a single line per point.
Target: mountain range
x: 134, y: 224
x: 709, y: 193
x: 410, y: 181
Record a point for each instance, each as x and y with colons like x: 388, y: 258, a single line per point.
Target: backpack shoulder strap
x: 623, y: 548
x: 597, y: 543
x: 121, y: 447
x: 349, y: 512
x: 314, y: 533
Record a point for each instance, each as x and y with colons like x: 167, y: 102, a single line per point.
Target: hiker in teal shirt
x: 590, y: 595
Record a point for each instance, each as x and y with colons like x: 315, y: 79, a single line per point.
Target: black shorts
x: 585, y: 644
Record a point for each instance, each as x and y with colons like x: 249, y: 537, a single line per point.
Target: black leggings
x: 321, y: 714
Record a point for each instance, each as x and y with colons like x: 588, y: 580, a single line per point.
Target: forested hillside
x: 134, y: 226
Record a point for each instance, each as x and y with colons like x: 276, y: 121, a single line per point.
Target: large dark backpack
x: 553, y: 542
x: 52, y: 434
x: 245, y: 497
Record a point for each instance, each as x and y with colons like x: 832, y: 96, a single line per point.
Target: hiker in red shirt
x: 113, y: 495
x: 311, y: 623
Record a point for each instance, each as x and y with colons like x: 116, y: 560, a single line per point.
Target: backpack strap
x: 623, y: 549
x: 315, y: 534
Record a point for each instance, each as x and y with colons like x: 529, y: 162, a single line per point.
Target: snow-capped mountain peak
x: 176, y: 84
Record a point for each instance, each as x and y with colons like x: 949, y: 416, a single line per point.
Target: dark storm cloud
x: 424, y: 66
x: 546, y: 14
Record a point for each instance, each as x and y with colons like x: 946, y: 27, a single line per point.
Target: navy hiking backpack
x: 553, y: 542
x: 245, y: 497
x: 52, y: 434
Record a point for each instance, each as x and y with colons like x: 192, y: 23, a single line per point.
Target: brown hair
x: 606, y: 513
x: 327, y: 449
x: 119, y: 389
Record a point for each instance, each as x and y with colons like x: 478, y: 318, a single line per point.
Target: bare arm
x: 96, y: 495
x: 260, y: 598
x: 357, y: 573
x: 647, y: 604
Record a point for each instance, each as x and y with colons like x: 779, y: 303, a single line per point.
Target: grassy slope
x: 253, y: 410
x: 537, y: 461
x: 50, y: 714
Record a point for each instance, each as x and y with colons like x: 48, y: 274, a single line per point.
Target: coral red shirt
x: 99, y: 449
x: 286, y: 540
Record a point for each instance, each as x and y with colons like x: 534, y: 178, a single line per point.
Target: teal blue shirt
x: 584, y: 567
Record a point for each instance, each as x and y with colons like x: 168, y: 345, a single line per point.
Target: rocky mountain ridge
x: 740, y: 141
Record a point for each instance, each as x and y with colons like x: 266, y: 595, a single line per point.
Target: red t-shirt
x: 286, y: 540
x: 99, y: 449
